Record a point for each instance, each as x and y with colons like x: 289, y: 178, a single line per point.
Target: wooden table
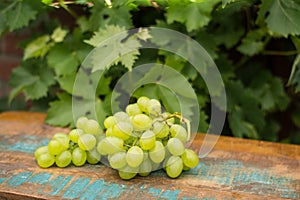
x: 235, y: 169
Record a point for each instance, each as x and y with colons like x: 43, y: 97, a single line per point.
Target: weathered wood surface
x: 235, y: 169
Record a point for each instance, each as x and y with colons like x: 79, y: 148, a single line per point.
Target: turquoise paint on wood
x: 27, y: 146
x: 92, y: 190
x: 2, y: 180
x: 169, y: 194
x: 59, y: 183
x: 76, y: 188
x: 18, y: 179
x: 41, y: 178
x: 154, y: 191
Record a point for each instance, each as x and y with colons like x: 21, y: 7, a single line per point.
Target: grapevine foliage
x: 242, y: 36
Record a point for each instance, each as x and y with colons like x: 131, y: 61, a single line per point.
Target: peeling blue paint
x: 92, y: 191
x: 154, y: 192
x: 170, y: 194
x: 2, y: 180
x: 41, y: 178
x: 59, y: 183
x: 76, y: 188
x: 18, y: 179
x: 27, y: 146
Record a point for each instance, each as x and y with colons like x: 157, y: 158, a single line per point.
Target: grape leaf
x: 38, y: 47
x: 60, y: 111
x: 282, y: 16
x: 193, y: 15
x: 252, y: 44
x: 66, y: 82
x: 59, y: 34
x: 19, y: 15
x: 295, y: 74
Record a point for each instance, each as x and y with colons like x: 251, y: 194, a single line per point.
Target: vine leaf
x: 252, y: 44
x: 38, y: 47
x: 295, y: 74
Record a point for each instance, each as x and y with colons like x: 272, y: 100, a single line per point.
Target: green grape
x: 110, y: 145
x: 169, y: 120
x: 185, y: 168
x: 190, y: 158
x: 146, y: 155
x: 121, y: 117
x: 147, y: 140
x: 74, y: 134
x: 55, y: 147
x: 141, y: 122
x: 80, y: 123
x: 109, y: 122
x: 174, y: 166
x: 154, y: 108
x: 117, y: 160
x: 87, y: 142
x: 134, y: 156
x: 145, y: 168
x: 128, y: 172
x: 122, y: 130
x: 133, y: 109
x: 157, y: 153
x: 142, y: 102
x: 45, y: 160
x: 155, y: 166
x: 175, y: 146
x: 92, y: 127
x: 48, y: 2
x: 160, y: 129
x: 179, y: 132
x: 41, y: 150
x: 109, y: 132
x: 78, y: 157
x: 93, y: 156
x: 63, y: 138
x: 63, y: 159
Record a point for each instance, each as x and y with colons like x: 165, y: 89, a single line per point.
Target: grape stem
x: 182, y: 120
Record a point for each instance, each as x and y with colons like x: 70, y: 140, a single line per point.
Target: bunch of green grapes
x: 138, y: 141
x: 77, y: 147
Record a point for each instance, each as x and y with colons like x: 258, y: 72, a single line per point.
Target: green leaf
x: 193, y: 15
x: 208, y: 43
x: 66, y: 82
x: 282, y: 16
x: 296, y: 42
x: 60, y: 111
x: 38, y: 47
x: 19, y: 16
x: 295, y: 74
x: 59, y: 34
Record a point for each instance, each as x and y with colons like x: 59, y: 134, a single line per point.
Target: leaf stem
x: 279, y: 53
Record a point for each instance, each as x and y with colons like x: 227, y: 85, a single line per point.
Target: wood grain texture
x: 235, y: 169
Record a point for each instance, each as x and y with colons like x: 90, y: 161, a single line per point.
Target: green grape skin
x: 133, y: 109
x: 134, y: 156
x: 93, y: 156
x: 109, y: 132
x: 155, y: 166
x: 160, y: 129
x: 190, y: 158
x: 81, y: 121
x: 110, y: 145
x: 109, y: 122
x: 75, y: 134
x: 87, y: 142
x: 63, y: 159
x: 41, y: 150
x: 145, y: 168
x: 141, y: 122
x: 92, y: 127
x: 78, y: 157
x: 169, y: 120
x: 147, y: 140
x: 122, y: 130
x: 179, y: 132
x: 63, y: 138
x: 121, y: 117
x: 45, y: 160
x: 157, y: 153
x: 154, y: 108
x: 142, y: 102
x: 185, y: 168
x: 117, y: 160
x: 174, y: 166
x: 127, y: 172
x: 175, y: 146
x: 55, y: 147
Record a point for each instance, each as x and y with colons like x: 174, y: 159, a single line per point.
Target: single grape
x: 122, y: 130
x: 55, y: 147
x: 63, y: 159
x: 87, y: 142
x: 78, y: 157
x: 147, y: 140
x: 92, y: 127
x: 134, y: 156
x: 185, y: 168
x: 174, y: 166
x: 154, y: 108
x: 179, y: 132
x: 80, y: 123
x: 41, y: 150
x: 157, y: 153
x: 160, y: 129
x: 109, y: 122
x: 93, y: 156
x: 190, y: 158
x: 74, y: 134
x: 121, y: 117
x: 45, y: 160
x: 128, y: 172
x: 109, y: 132
x: 175, y: 146
x: 145, y: 168
x: 133, y: 109
x: 141, y: 122
x: 63, y: 138
x: 110, y: 145
x: 142, y: 102
x: 117, y: 160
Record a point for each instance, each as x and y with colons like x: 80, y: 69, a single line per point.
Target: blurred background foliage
x: 255, y: 44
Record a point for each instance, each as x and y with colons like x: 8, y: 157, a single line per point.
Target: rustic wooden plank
x: 235, y: 169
